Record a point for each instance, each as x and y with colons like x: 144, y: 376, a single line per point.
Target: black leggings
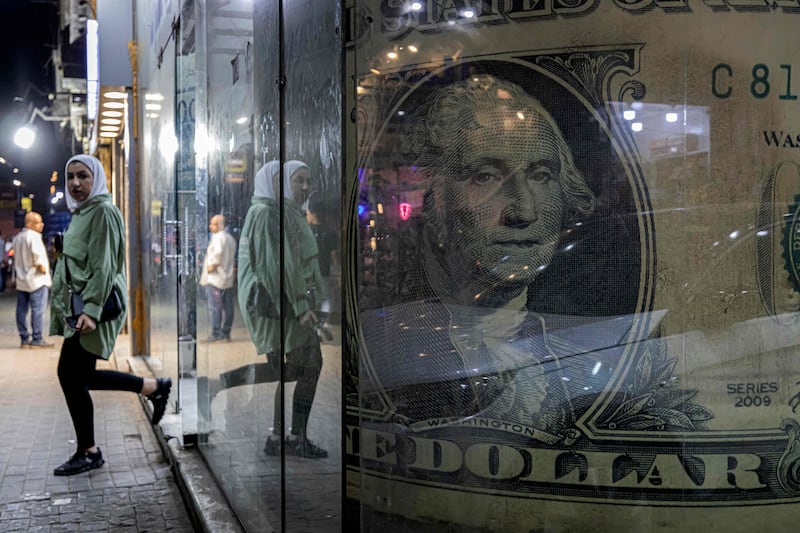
x: 78, y: 375
x: 302, y: 365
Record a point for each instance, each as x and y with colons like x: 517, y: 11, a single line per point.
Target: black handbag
x: 259, y: 301
x: 112, y: 307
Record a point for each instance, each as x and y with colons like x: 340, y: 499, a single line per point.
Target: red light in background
x: 405, y: 210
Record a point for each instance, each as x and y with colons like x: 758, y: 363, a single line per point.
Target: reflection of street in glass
x: 265, y: 287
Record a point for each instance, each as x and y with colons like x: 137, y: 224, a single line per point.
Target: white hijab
x: 263, y: 180
x: 289, y: 168
x: 98, y: 185
x: 263, y: 183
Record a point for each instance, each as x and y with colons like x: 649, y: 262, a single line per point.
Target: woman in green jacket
x: 92, y: 264
x: 259, y: 264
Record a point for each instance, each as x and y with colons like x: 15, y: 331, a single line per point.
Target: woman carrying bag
x: 91, y: 266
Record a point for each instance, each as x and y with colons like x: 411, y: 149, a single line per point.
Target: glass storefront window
x: 269, y: 371
x: 498, y: 265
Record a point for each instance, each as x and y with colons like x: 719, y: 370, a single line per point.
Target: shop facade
x: 555, y: 255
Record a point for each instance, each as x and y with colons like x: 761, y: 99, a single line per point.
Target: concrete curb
x: 205, y: 502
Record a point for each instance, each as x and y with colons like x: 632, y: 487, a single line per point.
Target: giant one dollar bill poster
x: 573, y: 284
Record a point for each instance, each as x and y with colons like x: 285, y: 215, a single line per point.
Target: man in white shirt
x: 218, y: 276
x: 32, y: 268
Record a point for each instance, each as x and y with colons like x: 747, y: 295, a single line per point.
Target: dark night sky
x: 30, y: 30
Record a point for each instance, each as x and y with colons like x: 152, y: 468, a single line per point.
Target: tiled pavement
x: 134, y: 491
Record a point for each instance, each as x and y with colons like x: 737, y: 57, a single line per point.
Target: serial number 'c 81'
x: 761, y: 82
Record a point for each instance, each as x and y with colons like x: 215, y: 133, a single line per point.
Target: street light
x: 26, y: 135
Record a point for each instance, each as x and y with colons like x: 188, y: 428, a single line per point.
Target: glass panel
x: 235, y: 407
x: 157, y: 96
x: 576, y: 265
x: 187, y: 174
x: 311, y: 215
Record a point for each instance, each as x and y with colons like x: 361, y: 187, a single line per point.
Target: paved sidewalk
x: 134, y: 491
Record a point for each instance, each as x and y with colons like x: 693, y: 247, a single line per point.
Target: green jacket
x: 94, y: 250
x: 301, y: 274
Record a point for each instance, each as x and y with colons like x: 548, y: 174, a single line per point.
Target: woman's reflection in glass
x: 260, y: 274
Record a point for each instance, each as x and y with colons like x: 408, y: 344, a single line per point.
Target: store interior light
x: 111, y: 114
x: 416, y: 6
x: 92, y: 68
x: 629, y: 114
x: 168, y: 144
x: 203, y: 143
x: 108, y: 134
x: 672, y: 117
x: 413, y: 48
x: 152, y: 107
x: 114, y: 95
x: 109, y: 128
x: 154, y: 97
x: 113, y: 105
x: 636, y: 126
x: 111, y: 121
x: 241, y: 120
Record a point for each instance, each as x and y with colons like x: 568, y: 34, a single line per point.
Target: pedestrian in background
x: 92, y: 264
x: 218, y: 276
x: 32, y: 268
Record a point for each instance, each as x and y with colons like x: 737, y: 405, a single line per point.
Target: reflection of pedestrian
x: 259, y: 265
x: 94, y: 254
x: 32, y: 268
x: 218, y: 276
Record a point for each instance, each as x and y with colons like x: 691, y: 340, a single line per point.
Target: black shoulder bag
x: 112, y: 308
x: 259, y: 301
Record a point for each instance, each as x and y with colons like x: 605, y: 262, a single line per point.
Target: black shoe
x: 80, y: 462
x: 159, y: 398
x: 273, y: 446
x: 302, y: 447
